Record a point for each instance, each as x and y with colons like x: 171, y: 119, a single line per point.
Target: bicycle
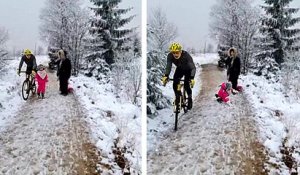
x: 28, y: 85
x: 183, y: 101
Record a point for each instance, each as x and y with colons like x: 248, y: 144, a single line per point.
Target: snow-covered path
x: 212, y: 138
x: 48, y: 136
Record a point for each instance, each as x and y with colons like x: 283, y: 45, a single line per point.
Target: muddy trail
x: 48, y: 136
x: 212, y: 138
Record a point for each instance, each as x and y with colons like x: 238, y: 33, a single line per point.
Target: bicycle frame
x: 29, y: 77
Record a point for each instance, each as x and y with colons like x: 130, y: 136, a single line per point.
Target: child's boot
x: 43, y: 96
x: 233, y: 91
x: 38, y: 94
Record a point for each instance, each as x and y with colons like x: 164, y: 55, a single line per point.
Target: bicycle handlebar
x: 171, y: 79
x: 24, y: 72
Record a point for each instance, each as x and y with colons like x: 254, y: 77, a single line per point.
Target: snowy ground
x: 164, y: 121
x: 264, y: 119
x: 10, y: 87
x: 115, y: 124
x: 46, y: 136
x: 212, y: 138
x: 278, y: 118
x: 67, y: 135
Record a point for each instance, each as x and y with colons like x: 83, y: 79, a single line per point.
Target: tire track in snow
x: 48, y: 136
x: 212, y: 138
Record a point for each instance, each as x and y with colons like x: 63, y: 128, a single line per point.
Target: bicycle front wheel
x: 25, y: 89
x: 176, y: 120
x: 177, y: 111
x: 33, y: 87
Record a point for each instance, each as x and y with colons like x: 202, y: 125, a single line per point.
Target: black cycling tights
x: 177, y: 76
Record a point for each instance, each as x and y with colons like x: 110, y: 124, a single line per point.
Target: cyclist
x: 184, y: 67
x: 30, y: 60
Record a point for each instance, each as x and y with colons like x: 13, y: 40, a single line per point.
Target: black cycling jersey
x: 184, y: 63
x: 31, y: 63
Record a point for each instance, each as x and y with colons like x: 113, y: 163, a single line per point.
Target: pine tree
x: 137, y: 46
x: 155, y: 65
x: 107, y: 37
x: 160, y: 33
x: 277, y: 36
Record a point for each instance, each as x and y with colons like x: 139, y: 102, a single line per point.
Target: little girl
x: 224, y: 92
x: 41, y: 78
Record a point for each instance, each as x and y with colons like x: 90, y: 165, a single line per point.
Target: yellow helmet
x: 175, y: 47
x: 27, y: 52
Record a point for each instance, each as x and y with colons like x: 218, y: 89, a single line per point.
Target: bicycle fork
x: 178, y: 103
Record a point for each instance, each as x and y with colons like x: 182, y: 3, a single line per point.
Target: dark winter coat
x: 64, y: 69
x: 31, y: 63
x: 233, y: 65
x: 185, y: 63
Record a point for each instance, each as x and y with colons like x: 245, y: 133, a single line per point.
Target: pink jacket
x: 41, y: 78
x: 223, y: 94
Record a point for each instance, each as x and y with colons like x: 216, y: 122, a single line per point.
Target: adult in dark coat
x: 64, y: 72
x: 233, y: 63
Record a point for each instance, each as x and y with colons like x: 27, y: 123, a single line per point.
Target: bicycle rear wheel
x: 25, y: 89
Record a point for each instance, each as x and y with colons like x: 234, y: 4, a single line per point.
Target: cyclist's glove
x: 192, y: 83
x: 33, y: 73
x: 164, y: 80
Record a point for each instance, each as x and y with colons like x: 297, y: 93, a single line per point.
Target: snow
x: 212, y: 138
x: 10, y: 87
x: 271, y: 112
x: 208, y: 58
x: 50, y: 124
x: 111, y: 119
x: 44, y: 135
x: 161, y: 124
x: 277, y: 117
